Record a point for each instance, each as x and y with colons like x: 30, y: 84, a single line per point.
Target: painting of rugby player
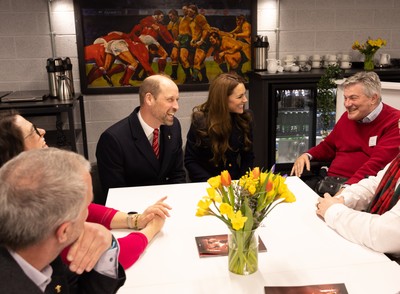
x: 122, y: 42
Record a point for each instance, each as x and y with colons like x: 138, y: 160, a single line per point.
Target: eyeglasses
x: 34, y: 130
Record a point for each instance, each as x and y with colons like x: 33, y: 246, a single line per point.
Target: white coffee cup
x: 316, y: 57
x: 332, y: 57
x: 290, y: 57
x: 295, y: 68
x: 345, y: 64
x: 316, y: 64
x: 288, y: 62
x: 302, y: 57
x: 345, y: 57
x: 332, y: 63
x: 287, y: 67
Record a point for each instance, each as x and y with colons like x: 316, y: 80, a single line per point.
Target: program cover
x: 217, y: 245
x: 308, y: 289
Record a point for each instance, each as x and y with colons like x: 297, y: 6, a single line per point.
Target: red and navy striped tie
x: 155, y: 145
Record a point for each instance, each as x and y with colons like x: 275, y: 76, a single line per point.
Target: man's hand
x: 88, y: 248
x: 326, y: 202
x: 298, y: 166
x: 157, y: 209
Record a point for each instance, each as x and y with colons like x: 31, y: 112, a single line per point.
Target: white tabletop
x: 301, y: 248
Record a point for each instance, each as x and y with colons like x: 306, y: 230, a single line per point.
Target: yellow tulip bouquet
x: 242, y: 205
x: 369, y: 48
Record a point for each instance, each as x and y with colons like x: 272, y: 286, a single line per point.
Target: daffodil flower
x: 243, y: 204
x: 226, y: 209
x: 215, y: 182
x: 203, y: 207
x: 238, y: 220
x: 213, y: 195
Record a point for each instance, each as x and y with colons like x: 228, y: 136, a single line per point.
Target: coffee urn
x: 68, y: 73
x: 261, y: 47
x: 55, y: 69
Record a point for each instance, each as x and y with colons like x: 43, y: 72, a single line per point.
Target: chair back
x: 98, y: 195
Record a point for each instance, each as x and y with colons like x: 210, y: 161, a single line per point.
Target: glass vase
x: 369, y: 61
x: 243, y: 252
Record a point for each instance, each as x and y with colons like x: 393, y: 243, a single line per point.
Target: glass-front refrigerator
x: 297, y: 123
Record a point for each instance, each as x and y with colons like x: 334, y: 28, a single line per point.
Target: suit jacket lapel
x: 165, y: 147
x: 13, y: 274
x: 141, y: 142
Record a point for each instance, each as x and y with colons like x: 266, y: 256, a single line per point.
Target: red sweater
x: 357, y: 150
x: 130, y: 246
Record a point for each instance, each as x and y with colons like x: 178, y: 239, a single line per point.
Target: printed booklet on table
x: 217, y: 245
x: 307, y: 289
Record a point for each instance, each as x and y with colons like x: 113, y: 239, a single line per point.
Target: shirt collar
x: 373, y: 114
x: 40, y: 278
x: 146, y: 128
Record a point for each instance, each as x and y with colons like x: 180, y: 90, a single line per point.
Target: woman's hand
x: 160, y: 209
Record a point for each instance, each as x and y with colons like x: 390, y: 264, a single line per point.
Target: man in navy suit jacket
x: 44, y: 196
x: 125, y: 155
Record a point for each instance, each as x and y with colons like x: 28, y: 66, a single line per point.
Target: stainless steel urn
x: 54, y: 70
x: 261, y: 47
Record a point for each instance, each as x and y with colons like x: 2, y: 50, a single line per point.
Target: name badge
x: 372, y: 141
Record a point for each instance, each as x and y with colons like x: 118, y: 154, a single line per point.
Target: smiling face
x: 237, y: 100
x: 33, y: 137
x: 357, y: 104
x: 165, y: 105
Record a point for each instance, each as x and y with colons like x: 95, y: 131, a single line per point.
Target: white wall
x: 305, y: 27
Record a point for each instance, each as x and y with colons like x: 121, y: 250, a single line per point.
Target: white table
x: 302, y: 249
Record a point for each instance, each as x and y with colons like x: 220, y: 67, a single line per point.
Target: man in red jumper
x: 365, y: 138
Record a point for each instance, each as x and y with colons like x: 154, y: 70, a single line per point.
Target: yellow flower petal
x: 215, y: 182
x: 225, y: 208
x: 238, y: 220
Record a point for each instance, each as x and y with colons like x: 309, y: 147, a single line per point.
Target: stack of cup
x: 316, y: 61
x: 288, y: 62
x: 330, y: 59
x: 302, y: 60
x: 345, y: 61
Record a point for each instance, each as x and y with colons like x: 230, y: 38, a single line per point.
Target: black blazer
x: 13, y: 280
x: 125, y: 157
x: 197, y: 157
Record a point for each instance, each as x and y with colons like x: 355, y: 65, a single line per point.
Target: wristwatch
x: 129, y: 220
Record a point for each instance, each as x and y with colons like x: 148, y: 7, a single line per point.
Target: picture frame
x: 121, y: 42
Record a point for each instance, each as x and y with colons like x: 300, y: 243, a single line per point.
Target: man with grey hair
x: 44, y: 198
x: 364, y: 139
x: 144, y: 148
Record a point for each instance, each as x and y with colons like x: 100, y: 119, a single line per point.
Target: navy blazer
x: 13, y: 279
x: 125, y: 157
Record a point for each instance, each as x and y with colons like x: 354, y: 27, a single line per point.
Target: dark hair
x: 11, y: 137
x: 214, y: 120
x: 174, y: 12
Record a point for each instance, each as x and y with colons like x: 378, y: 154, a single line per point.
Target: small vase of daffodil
x: 242, y: 205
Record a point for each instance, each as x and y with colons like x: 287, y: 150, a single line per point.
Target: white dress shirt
x: 378, y: 232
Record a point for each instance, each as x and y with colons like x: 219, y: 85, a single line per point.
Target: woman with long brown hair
x: 220, y: 136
